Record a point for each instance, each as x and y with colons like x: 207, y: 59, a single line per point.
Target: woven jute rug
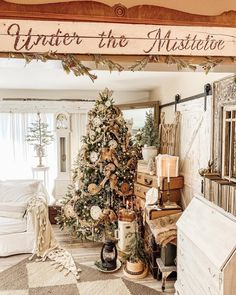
x: 41, y: 278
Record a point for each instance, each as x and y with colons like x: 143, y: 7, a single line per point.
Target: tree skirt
x: 40, y: 278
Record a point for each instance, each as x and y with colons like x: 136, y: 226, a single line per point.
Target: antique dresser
x: 206, y: 252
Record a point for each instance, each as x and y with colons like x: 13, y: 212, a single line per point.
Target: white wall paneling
x: 195, y: 143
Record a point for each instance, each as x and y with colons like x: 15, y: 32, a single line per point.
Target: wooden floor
x: 87, y: 254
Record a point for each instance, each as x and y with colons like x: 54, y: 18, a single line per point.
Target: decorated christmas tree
x: 105, y: 171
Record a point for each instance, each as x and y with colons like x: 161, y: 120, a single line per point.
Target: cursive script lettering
x: 108, y: 40
x: 29, y: 40
x: 168, y: 43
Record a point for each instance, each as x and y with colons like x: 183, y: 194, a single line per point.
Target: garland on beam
x: 71, y: 63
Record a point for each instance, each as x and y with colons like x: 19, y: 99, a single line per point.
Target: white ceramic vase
x: 149, y: 152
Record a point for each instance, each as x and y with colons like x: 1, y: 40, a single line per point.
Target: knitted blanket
x: 164, y: 229
x: 45, y: 245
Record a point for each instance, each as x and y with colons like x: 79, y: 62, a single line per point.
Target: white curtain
x: 17, y: 157
x: 79, y: 129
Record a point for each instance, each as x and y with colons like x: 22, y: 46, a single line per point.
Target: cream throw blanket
x: 46, y: 245
x: 164, y: 228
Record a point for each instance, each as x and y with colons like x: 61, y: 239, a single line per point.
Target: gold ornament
x: 94, y: 189
x: 69, y: 211
x: 124, y: 187
x: 106, y: 154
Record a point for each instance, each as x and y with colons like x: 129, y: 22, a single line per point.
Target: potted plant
x: 136, y: 265
x: 150, y: 137
x: 39, y: 136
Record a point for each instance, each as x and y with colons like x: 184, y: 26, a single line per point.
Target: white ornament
x: 113, y: 143
x: 97, y: 121
x: 93, y: 156
x: 95, y: 212
x: 108, y: 103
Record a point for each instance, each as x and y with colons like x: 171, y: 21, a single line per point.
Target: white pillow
x: 19, y: 190
x: 12, y: 210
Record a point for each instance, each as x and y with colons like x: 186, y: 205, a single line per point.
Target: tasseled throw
x: 46, y: 245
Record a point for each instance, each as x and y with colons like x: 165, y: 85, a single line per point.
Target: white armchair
x: 16, y: 232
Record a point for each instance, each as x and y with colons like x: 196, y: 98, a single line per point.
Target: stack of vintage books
x: 221, y: 192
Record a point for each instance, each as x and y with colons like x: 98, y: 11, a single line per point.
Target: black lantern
x: 109, y: 255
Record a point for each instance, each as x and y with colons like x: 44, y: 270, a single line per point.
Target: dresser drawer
x: 185, y: 285
x: 198, y: 266
x: 178, y: 289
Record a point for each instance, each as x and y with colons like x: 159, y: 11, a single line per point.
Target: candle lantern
x: 167, y: 166
x: 109, y: 255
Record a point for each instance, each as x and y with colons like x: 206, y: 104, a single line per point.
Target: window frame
x: 227, y: 142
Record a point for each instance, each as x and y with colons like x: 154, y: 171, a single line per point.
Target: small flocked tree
x: 39, y: 136
x: 105, y: 170
x: 150, y: 131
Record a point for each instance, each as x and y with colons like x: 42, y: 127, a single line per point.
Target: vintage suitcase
x: 151, y: 181
x: 141, y: 190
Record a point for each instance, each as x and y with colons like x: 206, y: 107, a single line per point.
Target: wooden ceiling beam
x: 100, y: 12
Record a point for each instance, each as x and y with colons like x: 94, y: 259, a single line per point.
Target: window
x: 17, y: 157
x: 229, y: 143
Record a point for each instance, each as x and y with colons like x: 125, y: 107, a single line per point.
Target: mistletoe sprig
x: 72, y: 64
x: 104, y: 62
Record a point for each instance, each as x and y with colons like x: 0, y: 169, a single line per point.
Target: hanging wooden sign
x: 115, y: 38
